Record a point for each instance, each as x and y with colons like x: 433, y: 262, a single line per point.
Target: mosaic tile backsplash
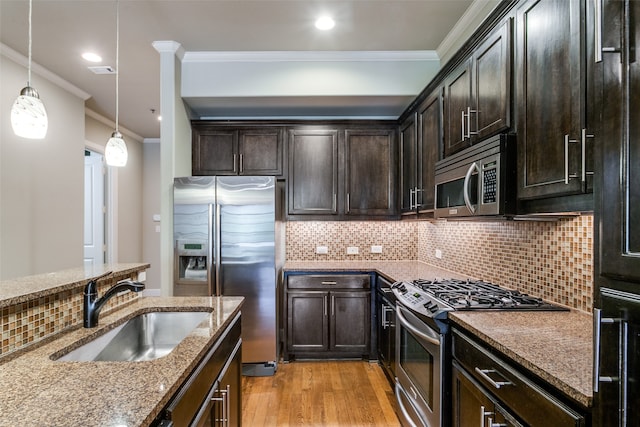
x: 398, y: 240
x: 552, y: 260
x: 32, y: 321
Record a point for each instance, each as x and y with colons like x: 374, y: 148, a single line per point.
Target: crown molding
x: 108, y: 122
x: 22, y: 60
x: 312, y: 56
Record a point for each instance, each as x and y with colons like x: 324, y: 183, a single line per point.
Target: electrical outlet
x: 438, y: 254
x: 376, y: 249
x: 322, y: 250
x: 352, y: 250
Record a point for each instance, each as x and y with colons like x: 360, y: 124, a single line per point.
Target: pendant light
x: 28, y: 115
x: 115, y: 152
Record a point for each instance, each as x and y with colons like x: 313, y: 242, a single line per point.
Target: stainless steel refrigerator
x: 225, y: 244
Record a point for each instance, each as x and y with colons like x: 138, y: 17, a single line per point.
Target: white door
x: 93, y: 209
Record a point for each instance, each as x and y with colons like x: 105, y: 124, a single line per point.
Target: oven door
x: 418, y: 370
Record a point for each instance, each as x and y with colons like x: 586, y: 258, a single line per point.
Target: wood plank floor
x: 319, y: 393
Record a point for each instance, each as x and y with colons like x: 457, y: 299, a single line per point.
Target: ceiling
x: 64, y: 29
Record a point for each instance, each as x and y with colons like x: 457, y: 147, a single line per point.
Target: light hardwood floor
x: 319, y: 393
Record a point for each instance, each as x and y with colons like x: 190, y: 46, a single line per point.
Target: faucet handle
x: 90, y: 288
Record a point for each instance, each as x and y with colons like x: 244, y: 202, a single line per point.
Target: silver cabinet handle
x: 497, y: 384
x: 583, y: 140
x: 464, y: 135
x: 324, y: 305
x: 421, y: 192
x: 235, y: 162
x: 566, y: 158
x: 597, y: 32
x: 483, y: 415
x: 348, y: 202
x: 469, y: 112
x: 333, y: 305
x: 598, y: 321
x: 467, y: 182
x: 411, y: 195
x: 241, y: 163
x: 328, y: 283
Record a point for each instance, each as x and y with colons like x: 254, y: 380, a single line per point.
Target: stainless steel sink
x: 147, y: 336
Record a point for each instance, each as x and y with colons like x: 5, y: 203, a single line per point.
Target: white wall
x: 151, y: 207
x: 41, y: 181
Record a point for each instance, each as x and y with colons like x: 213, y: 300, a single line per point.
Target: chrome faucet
x: 93, y: 304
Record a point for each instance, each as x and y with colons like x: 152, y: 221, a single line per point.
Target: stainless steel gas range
x: 423, y: 343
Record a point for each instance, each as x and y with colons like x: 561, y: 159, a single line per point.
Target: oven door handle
x: 404, y: 322
x: 465, y: 192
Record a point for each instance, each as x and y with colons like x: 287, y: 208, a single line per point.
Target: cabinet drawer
x: 184, y: 406
x: 524, y: 398
x: 329, y: 281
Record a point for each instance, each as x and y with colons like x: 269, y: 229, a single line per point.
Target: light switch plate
x: 376, y: 249
x: 438, y: 254
x: 352, y: 250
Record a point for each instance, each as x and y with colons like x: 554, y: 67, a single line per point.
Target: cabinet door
x: 618, y: 195
x: 261, y: 151
x: 492, y: 84
x: 214, y: 151
x: 385, y: 314
x: 228, y: 408
x: 457, y: 109
x: 408, y: 163
x: 350, y: 321
x: 370, y: 172
x: 313, y: 171
x: 307, y: 321
x: 550, y: 97
x: 429, y: 142
x: 472, y: 407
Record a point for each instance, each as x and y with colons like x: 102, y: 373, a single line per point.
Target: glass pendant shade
x: 28, y: 115
x: 115, y: 152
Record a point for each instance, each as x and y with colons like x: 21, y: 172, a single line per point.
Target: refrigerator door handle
x: 211, y: 256
x: 216, y: 251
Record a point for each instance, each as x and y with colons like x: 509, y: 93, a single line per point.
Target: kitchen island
x: 37, y: 390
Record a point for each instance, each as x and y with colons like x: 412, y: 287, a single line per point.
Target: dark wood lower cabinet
x: 472, y: 407
x: 328, y: 323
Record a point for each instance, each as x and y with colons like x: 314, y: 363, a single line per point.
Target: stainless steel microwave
x: 478, y: 181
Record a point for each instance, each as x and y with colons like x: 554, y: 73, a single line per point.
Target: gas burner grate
x: 477, y: 294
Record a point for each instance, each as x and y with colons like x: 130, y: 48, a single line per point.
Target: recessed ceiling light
x: 325, y: 23
x: 92, y: 57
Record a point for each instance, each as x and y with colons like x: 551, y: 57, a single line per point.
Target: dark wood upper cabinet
x: 225, y: 150
x: 617, y: 193
x: 477, y: 94
x: 408, y: 164
x: 551, y: 95
x: 492, y: 77
x: 429, y: 143
x: 370, y: 171
x: 214, y: 151
x: 457, y: 109
x: 313, y: 171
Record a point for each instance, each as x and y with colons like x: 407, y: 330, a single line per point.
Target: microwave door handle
x: 467, y: 182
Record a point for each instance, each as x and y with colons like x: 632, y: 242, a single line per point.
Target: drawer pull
x: 484, y: 373
x: 329, y: 283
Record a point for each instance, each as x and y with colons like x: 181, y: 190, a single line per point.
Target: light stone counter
x: 22, y: 289
x: 38, y: 391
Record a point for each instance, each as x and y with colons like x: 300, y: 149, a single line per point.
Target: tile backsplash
x: 398, y: 240
x: 548, y: 259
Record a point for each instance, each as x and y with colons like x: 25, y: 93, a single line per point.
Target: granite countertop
x: 392, y: 270
x: 38, y: 391
x: 21, y: 289
x: 556, y: 346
